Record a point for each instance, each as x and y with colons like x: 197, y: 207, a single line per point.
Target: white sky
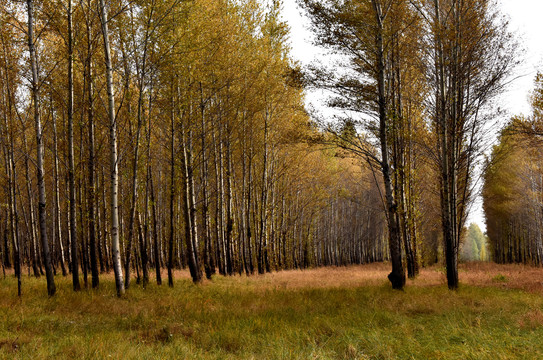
x: 525, y: 20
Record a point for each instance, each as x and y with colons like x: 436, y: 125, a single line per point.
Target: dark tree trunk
x: 209, y: 264
x: 397, y: 276
x: 172, y: 193
x: 71, y: 163
x: 143, y: 252
x: 191, y: 239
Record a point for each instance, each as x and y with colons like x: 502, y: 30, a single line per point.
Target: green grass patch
x: 236, y: 318
x: 500, y: 278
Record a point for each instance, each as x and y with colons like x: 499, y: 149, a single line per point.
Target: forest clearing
x: 169, y: 190
x: 323, y: 313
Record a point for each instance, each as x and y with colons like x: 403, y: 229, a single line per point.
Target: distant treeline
x: 513, y: 188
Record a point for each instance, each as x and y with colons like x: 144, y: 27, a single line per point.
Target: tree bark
x: 31, y: 223
x: 172, y: 192
x: 115, y: 245
x: 155, y: 230
x: 143, y: 251
x: 51, y: 288
x: 91, y: 196
x: 451, y: 256
x: 209, y: 264
x: 12, y: 180
x: 71, y: 162
x: 57, y: 199
x: 397, y: 276
x: 191, y: 238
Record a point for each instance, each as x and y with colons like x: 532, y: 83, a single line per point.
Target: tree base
x: 397, y: 280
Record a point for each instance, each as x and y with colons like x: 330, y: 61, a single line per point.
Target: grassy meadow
x: 327, y: 313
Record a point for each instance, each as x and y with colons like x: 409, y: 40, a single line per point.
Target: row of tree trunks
x: 232, y: 200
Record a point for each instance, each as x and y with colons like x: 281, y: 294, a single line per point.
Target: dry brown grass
x: 324, y: 277
x: 510, y: 276
x: 483, y: 274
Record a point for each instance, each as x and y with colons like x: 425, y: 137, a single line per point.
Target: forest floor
x: 326, y: 313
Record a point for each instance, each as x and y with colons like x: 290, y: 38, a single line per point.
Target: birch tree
x: 114, y: 166
x: 51, y: 288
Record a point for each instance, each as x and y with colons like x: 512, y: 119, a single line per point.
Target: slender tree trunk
x: 54, y: 250
x: 447, y: 226
x: 12, y: 180
x: 100, y: 237
x: 57, y: 199
x: 115, y: 246
x: 155, y: 231
x: 31, y: 222
x: 244, y: 233
x: 83, y: 249
x: 71, y: 162
x: 209, y: 264
x: 397, y: 276
x: 248, y: 211
x: 15, y: 224
x: 133, y: 201
x: 191, y: 239
x: 172, y: 193
x: 107, y: 252
x: 91, y: 196
x: 229, y: 219
x: 156, y: 251
x: 143, y: 251
x: 51, y: 289
x: 263, y: 264
x: 219, y: 200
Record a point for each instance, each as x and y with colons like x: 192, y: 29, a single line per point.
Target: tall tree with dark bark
x: 361, y: 31
x: 471, y: 56
x: 71, y: 161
